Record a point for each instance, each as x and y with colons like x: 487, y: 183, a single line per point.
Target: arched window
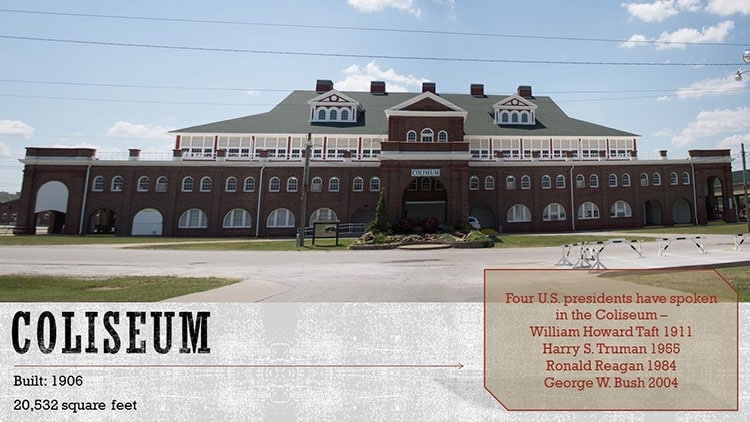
x: 685, y: 178
x: 546, y: 182
x: 620, y: 209
x: 673, y: 179
x: 323, y: 215
x: 626, y: 180
x: 345, y: 115
x: 510, y: 182
x: 187, y: 184
x: 473, y: 183
x: 321, y: 114
x: 333, y: 114
x: 412, y: 186
x: 316, y: 185
x: 588, y: 211
x: 162, y: 184
x: 280, y: 217
x: 427, y: 135
x: 514, y: 117
x: 489, y: 183
x: 237, y: 219
x: 504, y: 117
x: 594, y: 181
x: 193, y: 218
x: 333, y: 184
x: 644, y: 179
x: 554, y: 212
x: 98, y: 184
x: 274, y: 184
x: 117, y: 184
x: 411, y: 136
x: 560, y: 181
x: 656, y: 179
x: 291, y: 184
x: 249, y: 184
x: 143, y: 183
x: 231, y: 184
x: 524, y: 117
x: 206, y: 184
x: 442, y: 136
x: 580, y: 181
x: 525, y: 182
x: 358, y: 184
x: 374, y: 184
x: 426, y: 184
x: 613, y: 180
x: 519, y: 213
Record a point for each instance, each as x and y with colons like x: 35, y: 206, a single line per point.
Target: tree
x: 381, y: 223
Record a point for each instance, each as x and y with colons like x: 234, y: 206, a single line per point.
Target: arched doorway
x: 714, y: 203
x: 52, y: 206
x: 424, y: 197
x: 485, y: 215
x: 681, y: 211
x: 652, y: 213
x: 147, y: 222
x: 102, y: 221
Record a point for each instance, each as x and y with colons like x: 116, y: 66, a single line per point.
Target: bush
x: 405, y: 226
x: 429, y: 225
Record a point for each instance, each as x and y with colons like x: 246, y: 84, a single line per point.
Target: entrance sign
x: 425, y: 172
x: 327, y: 230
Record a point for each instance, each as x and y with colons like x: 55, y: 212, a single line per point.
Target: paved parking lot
x: 444, y: 275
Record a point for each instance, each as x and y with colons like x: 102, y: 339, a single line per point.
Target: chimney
x: 477, y: 90
x: 323, y: 85
x: 377, y: 87
x: 524, y: 91
x: 428, y: 87
x: 663, y: 154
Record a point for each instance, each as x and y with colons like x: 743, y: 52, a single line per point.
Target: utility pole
x: 303, y: 199
x: 744, y: 187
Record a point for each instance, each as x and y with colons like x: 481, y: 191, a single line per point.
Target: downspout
x: 85, y: 196
x: 572, y: 200
x: 695, y: 197
x: 260, y: 195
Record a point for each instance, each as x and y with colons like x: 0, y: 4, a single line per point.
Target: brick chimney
x: 428, y: 87
x: 323, y: 85
x: 377, y: 87
x: 524, y: 91
x: 477, y: 90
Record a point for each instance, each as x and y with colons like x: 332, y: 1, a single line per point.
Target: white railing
x: 345, y: 230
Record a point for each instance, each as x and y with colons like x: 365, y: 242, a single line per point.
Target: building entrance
x: 425, y: 197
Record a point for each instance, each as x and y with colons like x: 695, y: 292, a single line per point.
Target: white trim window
x: 673, y: 179
x: 334, y: 184
x: 143, y: 184
x: 162, y: 184
x: 237, y: 218
x: 280, y: 218
x: 374, y: 184
x: 621, y: 209
x: 316, y: 185
x: 473, y: 183
x: 519, y: 213
x: 525, y: 182
x: 427, y: 135
x: 117, y: 184
x: 560, y: 181
x: 411, y: 136
x: 442, y: 136
x: 98, y: 184
x: 644, y: 179
x: 187, y: 184
x: 274, y: 184
x: 546, y: 182
x: 323, y: 215
x: 291, y: 184
x: 206, y: 184
x: 358, y: 184
x: 554, y: 212
x: 594, y: 181
x: 193, y: 218
x: 510, y: 182
x: 489, y: 183
x: 685, y: 178
x: 626, y: 180
x: 580, y: 181
x: 656, y: 179
x: 231, y: 184
x: 588, y: 211
x: 613, y: 180
x: 249, y: 184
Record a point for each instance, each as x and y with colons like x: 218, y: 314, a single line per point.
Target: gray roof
x: 292, y: 115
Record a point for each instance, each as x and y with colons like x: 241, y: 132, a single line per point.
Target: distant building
x: 515, y: 162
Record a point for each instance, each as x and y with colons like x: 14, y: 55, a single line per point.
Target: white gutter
x: 695, y: 196
x: 572, y: 200
x: 260, y: 195
x: 85, y: 196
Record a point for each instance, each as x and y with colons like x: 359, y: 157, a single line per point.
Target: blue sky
x: 67, y: 79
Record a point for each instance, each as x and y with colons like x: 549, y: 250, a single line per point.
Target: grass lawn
x: 24, y: 288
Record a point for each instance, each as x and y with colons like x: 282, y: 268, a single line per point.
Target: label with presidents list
x: 611, y: 340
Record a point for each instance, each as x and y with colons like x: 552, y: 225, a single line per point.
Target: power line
x: 356, y: 56
x: 361, y: 28
x: 117, y: 85
x: 119, y: 100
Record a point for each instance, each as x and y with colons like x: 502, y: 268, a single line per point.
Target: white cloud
x: 714, y: 122
x: 132, y: 130
x: 713, y: 34
x: 358, y: 79
x: 15, y: 128
x: 734, y: 141
x: 714, y: 86
x: 379, y: 5
x: 728, y: 7
x: 657, y: 11
x: 6, y: 151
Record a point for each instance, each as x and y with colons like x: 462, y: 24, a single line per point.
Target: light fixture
x: 738, y: 75
x: 746, y: 56
x: 746, y: 59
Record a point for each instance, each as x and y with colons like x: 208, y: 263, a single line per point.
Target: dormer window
x: 427, y: 135
x: 515, y: 110
x: 333, y: 106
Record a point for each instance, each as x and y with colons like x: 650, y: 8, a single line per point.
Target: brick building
x: 516, y: 162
